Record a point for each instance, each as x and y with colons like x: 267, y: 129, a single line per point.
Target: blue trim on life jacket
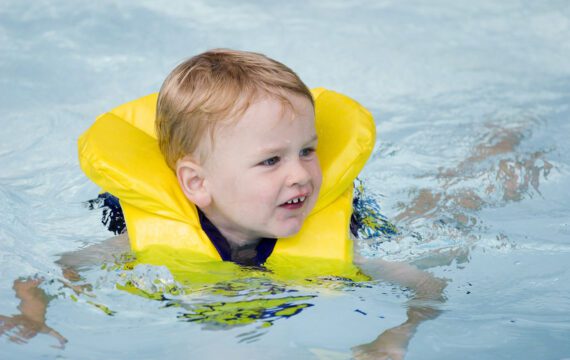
x: 367, y: 222
x: 112, y: 216
x: 114, y: 221
x: 263, y: 249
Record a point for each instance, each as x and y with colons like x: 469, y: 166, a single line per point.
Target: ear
x: 191, y: 178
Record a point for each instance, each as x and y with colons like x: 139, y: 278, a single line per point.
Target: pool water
x: 471, y: 100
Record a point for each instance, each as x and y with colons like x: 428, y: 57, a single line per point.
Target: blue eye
x: 270, y: 162
x: 306, y: 152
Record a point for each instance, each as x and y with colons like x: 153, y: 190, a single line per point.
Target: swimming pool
x: 472, y: 105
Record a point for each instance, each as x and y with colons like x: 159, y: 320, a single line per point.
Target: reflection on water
x: 223, y: 314
x: 497, y: 170
x: 494, y: 173
x: 226, y: 304
x: 452, y: 178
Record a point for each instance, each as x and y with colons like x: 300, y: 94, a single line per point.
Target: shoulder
x: 96, y: 254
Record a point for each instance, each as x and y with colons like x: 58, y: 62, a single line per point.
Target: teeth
x: 296, y: 200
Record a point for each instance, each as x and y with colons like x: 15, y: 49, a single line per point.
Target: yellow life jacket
x: 120, y: 153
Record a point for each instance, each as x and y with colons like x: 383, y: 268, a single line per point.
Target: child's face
x: 262, y: 174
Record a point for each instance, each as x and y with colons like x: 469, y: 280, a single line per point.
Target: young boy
x: 237, y: 177
x: 238, y: 131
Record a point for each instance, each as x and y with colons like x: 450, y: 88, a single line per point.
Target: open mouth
x: 294, y: 203
x: 296, y: 200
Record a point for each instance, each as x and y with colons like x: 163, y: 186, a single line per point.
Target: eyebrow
x: 270, y: 149
x: 313, y: 139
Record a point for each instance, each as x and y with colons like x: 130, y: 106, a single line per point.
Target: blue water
x: 472, y: 102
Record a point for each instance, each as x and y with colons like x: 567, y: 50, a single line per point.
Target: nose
x: 298, y: 173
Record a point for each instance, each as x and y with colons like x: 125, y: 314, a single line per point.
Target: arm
x: 31, y: 320
x: 33, y: 300
x: 428, y: 293
x: 95, y: 254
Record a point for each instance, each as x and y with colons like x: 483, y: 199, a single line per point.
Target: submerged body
x: 253, y: 172
x: 269, y: 188
x: 155, y: 202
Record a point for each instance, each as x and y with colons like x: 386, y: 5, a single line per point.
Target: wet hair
x: 213, y: 88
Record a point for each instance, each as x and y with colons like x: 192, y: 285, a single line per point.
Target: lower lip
x: 293, y: 206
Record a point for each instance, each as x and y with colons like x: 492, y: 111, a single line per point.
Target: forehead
x: 269, y: 119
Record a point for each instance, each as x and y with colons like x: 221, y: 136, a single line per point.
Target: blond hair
x: 214, y: 86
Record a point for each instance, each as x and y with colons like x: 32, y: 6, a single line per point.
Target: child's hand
x: 31, y: 321
x: 20, y: 329
x: 390, y: 345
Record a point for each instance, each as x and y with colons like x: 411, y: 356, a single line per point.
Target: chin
x: 289, y: 231
x: 288, y: 234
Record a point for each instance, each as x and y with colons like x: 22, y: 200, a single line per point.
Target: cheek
x: 317, y: 175
x: 267, y: 190
x: 254, y: 190
x: 226, y: 187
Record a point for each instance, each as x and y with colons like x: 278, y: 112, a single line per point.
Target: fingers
x: 6, y: 324
x: 60, y: 338
x: 22, y: 335
x: 20, y: 330
x: 26, y: 332
x: 17, y: 340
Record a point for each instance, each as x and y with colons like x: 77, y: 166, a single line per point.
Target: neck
x: 235, y: 236
x: 236, y: 240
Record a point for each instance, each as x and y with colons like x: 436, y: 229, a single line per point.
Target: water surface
x: 471, y: 101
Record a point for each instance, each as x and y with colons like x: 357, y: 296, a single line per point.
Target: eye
x: 306, y: 152
x: 270, y: 162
